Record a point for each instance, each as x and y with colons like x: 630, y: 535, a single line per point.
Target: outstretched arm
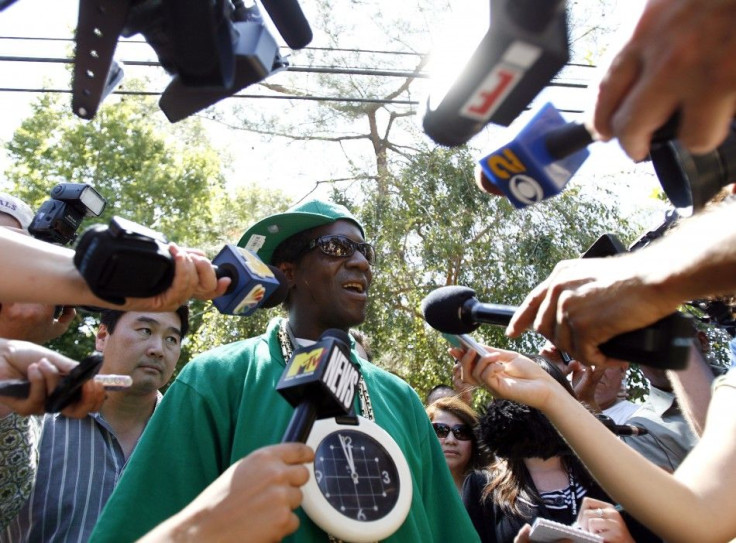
x: 586, y: 302
x: 42, y: 368
x: 255, y: 496
x: 701, y: 488
x: 38, y: 272
x: 681, y: 56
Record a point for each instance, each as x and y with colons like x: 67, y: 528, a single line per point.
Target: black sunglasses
x: 462, y: 432
x: 342, y: 246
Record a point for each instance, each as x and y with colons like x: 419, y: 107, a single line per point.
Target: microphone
x: 664, y: 344
x: 539, y: 162
x: 289, y: 20
x: 319, y: 381
x: 622, y: 429
x: 128, y: 260
x: 253, y: 283
x: 524, y: 47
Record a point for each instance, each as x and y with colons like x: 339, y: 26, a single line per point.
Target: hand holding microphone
x: 126, y: 260
x: 665, y: 344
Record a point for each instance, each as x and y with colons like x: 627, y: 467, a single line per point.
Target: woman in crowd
x: 534, y: 474
x: 694, y: 504
x: 453, y: 421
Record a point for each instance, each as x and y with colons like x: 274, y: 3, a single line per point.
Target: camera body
x: 59, y: 217
x: 689, y: 180
x: 124, y: 260
x: 212, y: 48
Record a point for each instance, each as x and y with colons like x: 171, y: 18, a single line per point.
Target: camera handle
x: 96, y: 74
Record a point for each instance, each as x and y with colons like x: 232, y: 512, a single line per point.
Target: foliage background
x: 418, y: 202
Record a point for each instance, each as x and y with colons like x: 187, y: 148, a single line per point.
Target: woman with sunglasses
x: 534, y: 474
x: 453, y: 421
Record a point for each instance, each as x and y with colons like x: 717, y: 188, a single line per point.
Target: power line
x: 237, y: 95
x: 260, y: 96
x: 327, y: 49
x: 296, y: 69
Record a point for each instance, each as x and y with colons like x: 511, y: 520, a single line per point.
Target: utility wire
x: 295, y: 69
x: 258, y: 96
x: 327, y: 49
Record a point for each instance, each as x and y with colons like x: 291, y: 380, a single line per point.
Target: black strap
x: 99, y: 25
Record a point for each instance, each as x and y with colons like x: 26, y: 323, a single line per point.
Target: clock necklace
x: 360, y: 487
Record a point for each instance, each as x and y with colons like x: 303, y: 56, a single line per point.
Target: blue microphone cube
x: 524, y: 170
x: 252, y: 281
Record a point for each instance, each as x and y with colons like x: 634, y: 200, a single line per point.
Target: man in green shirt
x: 224, y: 404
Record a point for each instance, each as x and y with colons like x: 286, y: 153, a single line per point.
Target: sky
x: 278, y: 163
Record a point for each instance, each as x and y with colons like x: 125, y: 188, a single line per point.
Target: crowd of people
x: 205, y: 462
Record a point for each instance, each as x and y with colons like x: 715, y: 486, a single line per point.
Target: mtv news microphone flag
x: 320, y: 381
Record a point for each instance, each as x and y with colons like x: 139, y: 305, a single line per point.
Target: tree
x: 153, y: 173
x: 431, y: 225
x: 434, y: 228
x: 167, y: 177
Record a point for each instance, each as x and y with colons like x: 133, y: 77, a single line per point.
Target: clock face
x: 356, y: 475
x: 360, y: 485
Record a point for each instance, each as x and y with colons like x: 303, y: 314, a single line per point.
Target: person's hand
x: 43, y: 368
x: 463, y: 389
x: 194, y: 277
x: 33, y: 322
x: 585, y: 379
x: 554, y: 355
x: 585, y: 302
x: 523, y: 535
x: 508, y: 375
x: 682, y: 56
x: 603, y: 519
x: 253, y: 500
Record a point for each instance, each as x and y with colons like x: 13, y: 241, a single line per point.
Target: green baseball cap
x: 263, y: 237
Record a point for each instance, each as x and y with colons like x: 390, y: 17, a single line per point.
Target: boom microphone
x: 525, y: 46
x: 320, y: 381
x: 664, y: 344
x: 289, y: 20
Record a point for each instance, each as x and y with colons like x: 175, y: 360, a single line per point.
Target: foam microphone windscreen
x: 442, y: 309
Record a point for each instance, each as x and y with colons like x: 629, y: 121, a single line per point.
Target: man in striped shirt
x: 80, y: 460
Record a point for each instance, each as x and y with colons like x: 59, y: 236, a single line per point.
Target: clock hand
x: 347, y: 449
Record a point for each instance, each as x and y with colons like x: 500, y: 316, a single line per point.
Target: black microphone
x: 622, y: 429
x: 525, y: 46
x: 289, y: 20
x: 664, y: 344
x: 253, y: 285
x: 320, y: 381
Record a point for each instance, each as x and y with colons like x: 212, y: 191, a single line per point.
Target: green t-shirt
x: 224, y: 404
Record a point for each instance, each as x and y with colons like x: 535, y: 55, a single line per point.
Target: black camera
x: 212, y: 48
x: 124, y: 260
x: 718, y: 311
x: 689, y: 180
x: 58, y: 218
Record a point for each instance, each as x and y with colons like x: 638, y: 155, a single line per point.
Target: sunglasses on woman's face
x: 462, y: 432
x: 342, y: 246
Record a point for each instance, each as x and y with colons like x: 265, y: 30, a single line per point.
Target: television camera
x: 211, y: 48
